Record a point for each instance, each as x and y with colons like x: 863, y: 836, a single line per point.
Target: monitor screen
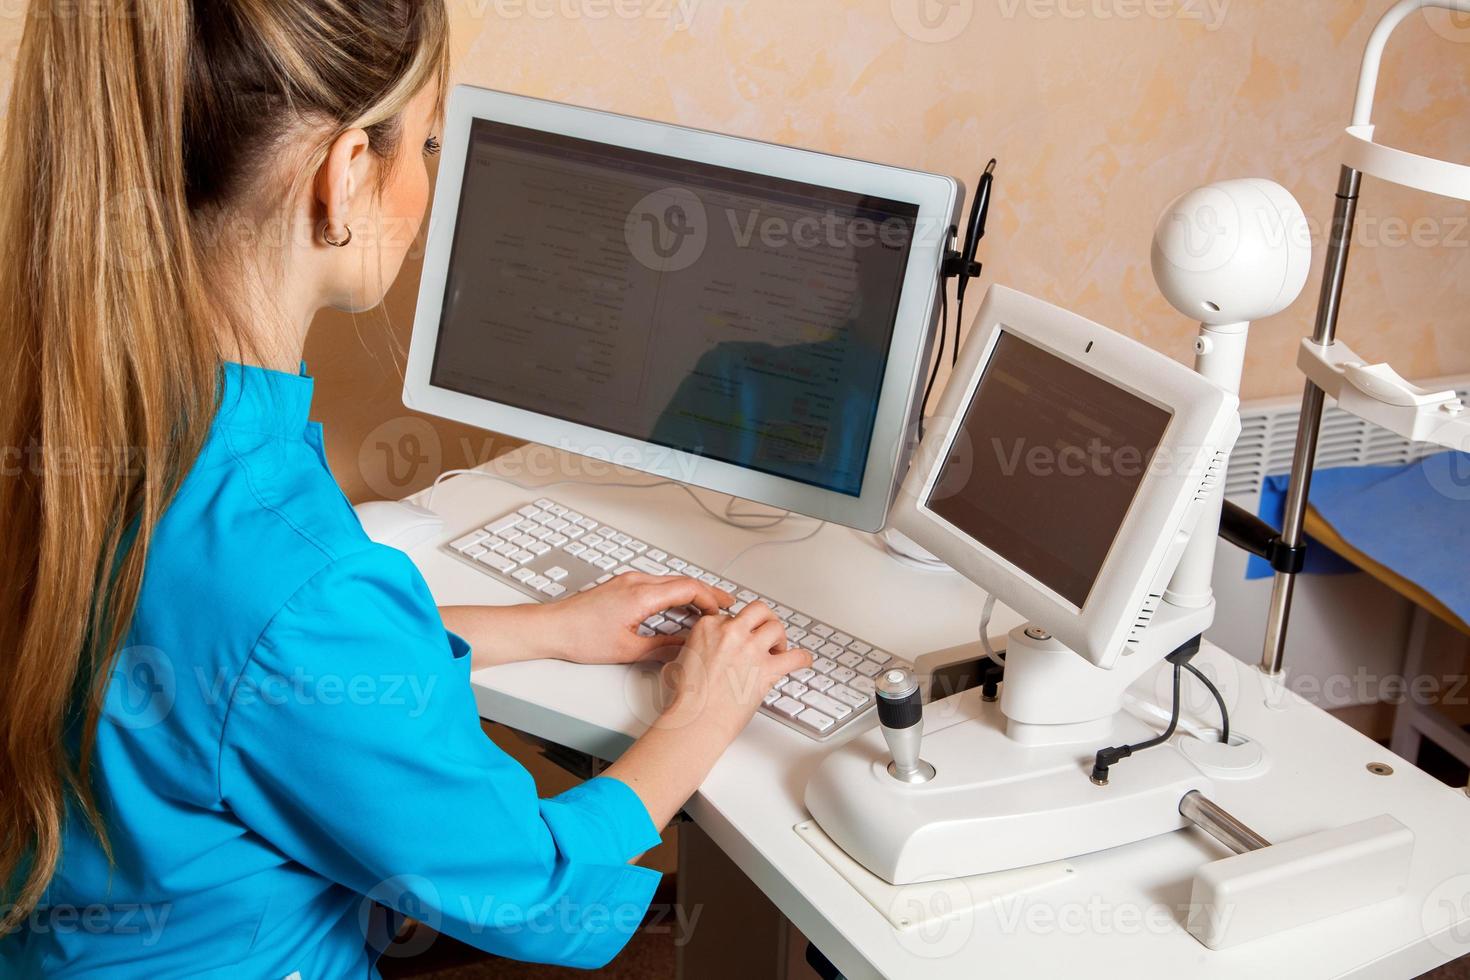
x: 1045, y: 465
x: 730, y: 315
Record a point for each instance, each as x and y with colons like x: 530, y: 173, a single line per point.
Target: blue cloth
x: 290, y: 737
x: 1412, y: 519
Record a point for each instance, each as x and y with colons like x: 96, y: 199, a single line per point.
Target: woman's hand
x: 713, y: 689
x: 600, y: 626
x: 727, y: 667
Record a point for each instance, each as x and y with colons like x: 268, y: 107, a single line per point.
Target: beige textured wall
x: 1099, y: 110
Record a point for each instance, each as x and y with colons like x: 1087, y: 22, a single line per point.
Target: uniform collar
x: 256, y: 399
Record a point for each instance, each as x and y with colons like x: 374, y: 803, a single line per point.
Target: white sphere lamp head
x: 1232, y: 252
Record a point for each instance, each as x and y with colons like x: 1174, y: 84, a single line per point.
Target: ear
x: 342, y: 180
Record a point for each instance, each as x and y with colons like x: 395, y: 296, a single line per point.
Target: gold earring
x: 327, y: 237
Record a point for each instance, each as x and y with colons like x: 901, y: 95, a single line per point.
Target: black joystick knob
x: 901, y: 715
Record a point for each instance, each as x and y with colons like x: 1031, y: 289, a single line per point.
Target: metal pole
x: 1329, y: 306
x: 1207, y: 815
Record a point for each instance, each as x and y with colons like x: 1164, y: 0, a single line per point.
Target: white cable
x: 985, y: 615
x: 764, y: 544
x: 728, y: 518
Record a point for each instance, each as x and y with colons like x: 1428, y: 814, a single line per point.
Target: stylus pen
x: 981, y: 214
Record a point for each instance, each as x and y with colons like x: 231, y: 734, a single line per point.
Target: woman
x: 188, y: 182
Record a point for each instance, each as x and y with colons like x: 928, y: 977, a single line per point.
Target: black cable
x: 1224, y: 715
x: 959, y: 324
x: 1107, y: 758
x: 939, y: 355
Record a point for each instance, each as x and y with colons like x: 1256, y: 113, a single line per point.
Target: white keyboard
x: 549, y: 551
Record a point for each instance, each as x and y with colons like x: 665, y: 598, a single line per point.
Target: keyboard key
x: 606, y: 564
x: 826, y: 705
x: 622, y: 569
x: 521, y: 557
x: 668, y: 627
x: 799, y: 621
x: 783, y: 613
x: 530, y: 510
x: 607, y: 532
x: 738, y: 608
x: 545, y: 504
x: 812, y: 643
x: 544, y: 518
x: 471, y: 540
x: 645, y: 564
x: 522, y: 540
x: 509, y: 520
x: 795, y: 689
x: 604, y: 580
x: 859, y: 646
x: 878, y: 656
x: 524, y: 575
x: 554, y: 589
x: 772, y: 697
x: 525, y: 526
x: 824, y: 666
x: 848, y: 696
x: 636, y: 546
x: 815, y: 720
x: 623, y: 554
x: 693, y: 571
x: 538, y: 582
x: 541, y: 533
x: 643, y: 631
x: 804, y: 675
x: 863, y: 685
x: 557, y: 574
x: 869, y: 669
x: 606, y: 547
x: 559, y: 525
x: 558, y: 510
x: 657, y: 555
x: 843, y: 674
x: 501, y: 564
x: 622, y: 539
x: 558, y: 540
x: 506, y: 548
x: 588, y: 523
x: 846, y: 659
x: 794, y: 635
x: 823, y: 631
x: 572, y: 516
x: 841, y: 639
x: 820, y: 683
x: 576, y: 550
x: 745, y: 595
x: 539, y: 548
x: 474, y: 552
x: 574, y: 531
x: 677, y: 564
x: 729, y: 587
x: 790, y: 707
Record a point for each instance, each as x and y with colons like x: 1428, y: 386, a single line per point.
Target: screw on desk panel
x: 1380, y: 769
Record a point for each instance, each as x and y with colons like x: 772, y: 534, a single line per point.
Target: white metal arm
x: 1373, y: 57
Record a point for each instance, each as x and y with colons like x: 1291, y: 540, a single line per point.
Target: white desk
x: 1121, y: 913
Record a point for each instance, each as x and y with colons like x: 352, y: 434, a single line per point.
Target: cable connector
x: 1106, y: 759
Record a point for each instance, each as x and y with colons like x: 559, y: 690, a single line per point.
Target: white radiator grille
x: 1268, y: 437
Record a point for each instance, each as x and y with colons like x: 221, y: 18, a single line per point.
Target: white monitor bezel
x: 939, y: 199
x: 1203, y: 425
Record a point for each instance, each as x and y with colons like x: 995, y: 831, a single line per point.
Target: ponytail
x: 129, y: 124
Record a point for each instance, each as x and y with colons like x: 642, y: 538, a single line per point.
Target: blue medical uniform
x: 290, y: 745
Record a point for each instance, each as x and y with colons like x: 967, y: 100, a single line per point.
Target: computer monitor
x: 750, y: 318
x: 1065, y: 469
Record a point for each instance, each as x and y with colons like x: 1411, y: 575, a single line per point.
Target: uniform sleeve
x: 353, y: 745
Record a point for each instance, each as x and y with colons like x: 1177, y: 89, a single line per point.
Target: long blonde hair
x: 132, y: 125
